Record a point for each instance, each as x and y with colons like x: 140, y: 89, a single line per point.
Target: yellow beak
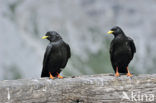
x: 44, y: 37
x: 110, y: 32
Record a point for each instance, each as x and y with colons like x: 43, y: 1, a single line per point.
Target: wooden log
x: 101, y: 88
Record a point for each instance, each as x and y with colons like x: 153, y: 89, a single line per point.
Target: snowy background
x: 83, y: 24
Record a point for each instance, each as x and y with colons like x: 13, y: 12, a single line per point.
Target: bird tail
x: 44, y: 73
x: 122, y: 69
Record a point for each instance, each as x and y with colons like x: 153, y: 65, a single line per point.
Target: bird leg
x: 51, y: 77
x: 117, y: 73
x: 129, y: 74
x: 59, y: 76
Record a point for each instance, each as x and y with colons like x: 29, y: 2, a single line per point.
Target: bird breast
x: 122, y: 48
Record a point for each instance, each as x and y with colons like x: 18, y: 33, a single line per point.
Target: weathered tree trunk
x: 104, y: 88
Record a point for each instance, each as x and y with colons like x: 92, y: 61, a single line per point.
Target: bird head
x: 52, y: 36
x: 115, y: 31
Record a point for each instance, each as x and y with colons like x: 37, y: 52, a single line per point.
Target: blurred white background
x: 83, y: 24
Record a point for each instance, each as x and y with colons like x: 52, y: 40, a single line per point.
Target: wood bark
x: 101, y: 88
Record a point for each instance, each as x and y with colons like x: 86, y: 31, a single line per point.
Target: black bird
x: 122, y: 50
x: 56, y: 55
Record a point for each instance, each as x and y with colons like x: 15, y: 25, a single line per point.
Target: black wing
x: 112, y: 55
x: 46, y: 57
x: 111, y: 48
x: 132, y: 46
x: 68, y: 55
x: 68, y: 51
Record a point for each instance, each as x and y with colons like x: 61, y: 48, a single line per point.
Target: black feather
x: 122, y: 50
x: 56, y: 55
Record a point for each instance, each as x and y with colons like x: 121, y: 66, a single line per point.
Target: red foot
x: 51, y: 77
x: 59, y: 76
x: 117, y: 73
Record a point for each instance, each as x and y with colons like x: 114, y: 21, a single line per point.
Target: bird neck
x: 121, y: 34
x: 55, y: 40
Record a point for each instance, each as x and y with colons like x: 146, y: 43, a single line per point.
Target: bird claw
x: 129, y: 75
x: 51, y: 77
x: 117, y: 74
x: 59, y: 76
